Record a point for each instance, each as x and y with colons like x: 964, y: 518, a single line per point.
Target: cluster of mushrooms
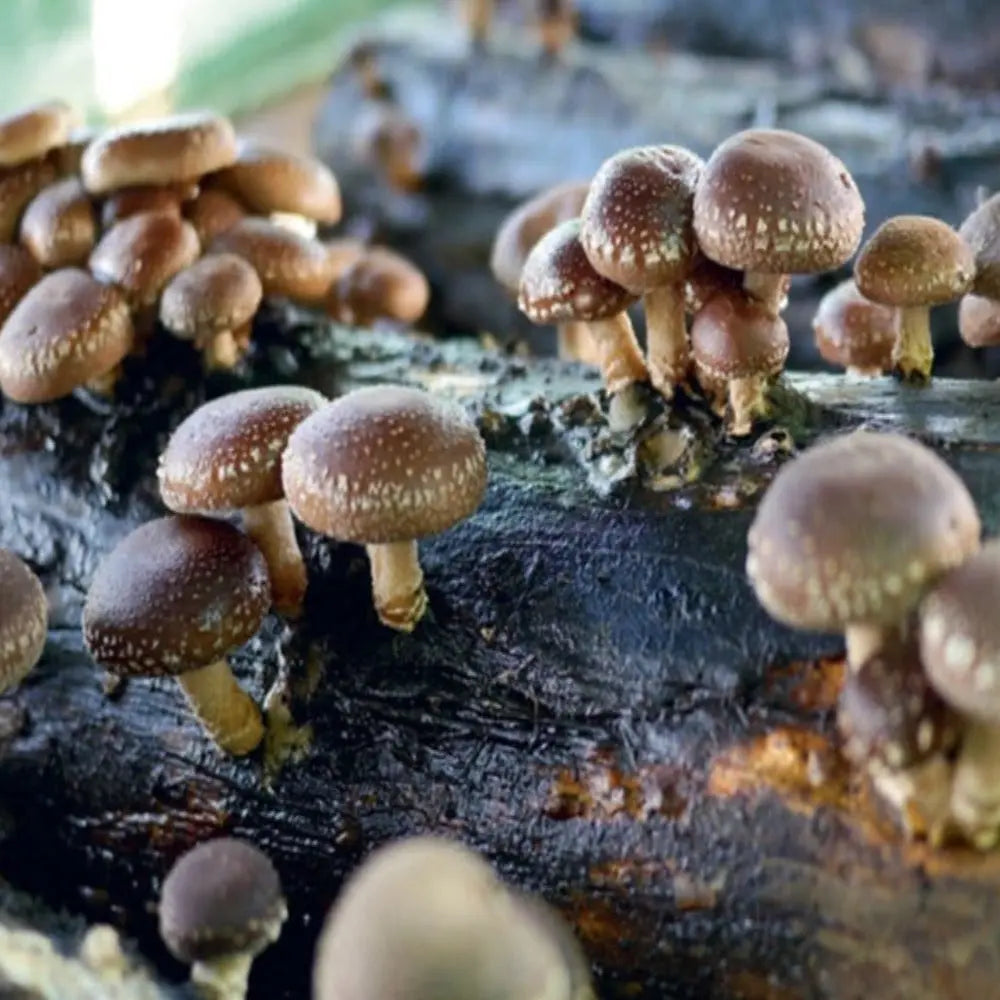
x: 172, y: 226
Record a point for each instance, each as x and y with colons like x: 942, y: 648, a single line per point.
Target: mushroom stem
x: 397, y: 584
x: 975, y: 793
x: 221, y: 351
x: 271, y: 526
x: 575, y: 343
x: 746, y: 400
x: 104, y: 385
x: 227, y: 713
x: 913, y: 352
x: 767, y: 289
x: 223, y: 978
x: 667, y: 348
x: 863, y: 641
x: 621, y: 361
x: 918, y: 795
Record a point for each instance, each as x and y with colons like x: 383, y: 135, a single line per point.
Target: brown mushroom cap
x: 289, y: 264
x: 981, y: 231
x: 706, y: 279
x: 558, y: 282
x: 24, y: 619
x: 914, y: 260
x: 67, y: 330
x: 18, y: 185
x: 68, y: 155
x: 527, y: 224
x: 217, y: 293
x: 223, y: 897
x: 19, y: 272
x: 143, y: 252
x: 384, y: 464
x: 146, y: 198
x: 268, y: 180
x: 163, y: 151
x: 856, y: 529
x: 735, y: 337
x: 853, y: 331
x: 32, y: 132
x: 636, y: 225
x: 227, y: 454
x: 776, y: 202
x: 343, y: 252
x: 213, y: 212
x: 58, y: 227
x: 176, y: 594
x: 960, y: 636
x: 381, y: 285
x: 979, y: 320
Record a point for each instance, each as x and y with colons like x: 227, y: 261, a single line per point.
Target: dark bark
x: 597, y: 702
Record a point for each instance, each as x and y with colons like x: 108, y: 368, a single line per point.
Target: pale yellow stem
x: 913, y: 352
x: 271, y: 526
x: 863, y: 641
x: 227, y: 713
x: 104, y: 385
x: 767, y: 289
x: 223, y: 978
x: 975, y: 793
x: 576, y: 344
x: 917, y: 795
x: 397, y: 584
x: 746, y: 401
x: 621, y: 361
x: 668, y: 353
x: 221, y: 351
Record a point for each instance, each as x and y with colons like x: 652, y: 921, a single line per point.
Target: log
x: 597, y: 702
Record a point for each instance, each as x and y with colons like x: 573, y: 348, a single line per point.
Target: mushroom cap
x: 67, y: 330
x: 58, y: 226
x: 18, y: 185
x: 853, y: 331
x: 24, y: 620
x: 527, y: 224
x: 32, y: 132
x: 778, y: 203
x: 226, y: 455
x: 914, y: 260
x: 981, y: 231
x: 217, y: 293
x: 269, y: 180
x: 856, y: 529
x: 19, y: 271
x: 289, y: 264
x: 381, y: 285
x: 706, y: 279
x: 888, y: 712
x: 176, y: 594
x: 558, y: 283
x: 960, y: 636
x: 383, y: 464
x: 67, y: 155
x: 979, y: 320
x: 733, y: 336
x: 129, y: 201
x: 212, y: 212
x: 637, y: 224
x: 162, y: 151
x: 223, y: 897
x: 142, y: 253
x: 343, y: 252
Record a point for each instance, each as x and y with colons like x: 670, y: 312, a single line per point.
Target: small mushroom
x: 221, y: 905
x: 380, y: 285
x: 960, y: 647
x: 854, y: 332
x: 213, y: 303
x: 853, y: 532
x: 558, y: 284
x: 773, y: 203
x: 212, y: 212
x: 706, y: 279
x: 174, y: 598
x: 30, y: 133
x: 428, y: 919
x: 636, y: 230
x: 19, y: 272
x: 914, y: 262
x: 126, y: 202
x: 69, y: 330
x: 58, y: 226
x: 736, y: 341
x: 226, y: 456
x: 898, y: 729
x: 383, y: 467
x: 981, y: 233
x: 168, y: 150
x: 555, y: 25
x: 24, y: 620
x: 979, y: 321
x: 18, y: 185
x: 386, y: 140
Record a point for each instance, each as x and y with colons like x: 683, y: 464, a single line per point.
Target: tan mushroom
x: 30, y: 133
x: 58, y: 226
x: 68, y: 156
x: 380, y: 285
x: 24, y: 616
x: 19, y: 272
x: 853, y: 332
x: 130, y: 201
x: 212, y: 212
x: 18, y: 185
x: 979, y: 321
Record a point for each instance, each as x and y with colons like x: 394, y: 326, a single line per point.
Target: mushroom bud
x: 383, y: 467
x: 221, y: 905
x: 31, y: 132
x: 852, y: 533
x: 854, y: 332
x: 979, y: 321
x: 174, y: 598
x: 226, y: 456
x: 380, y: 284
x: 58, y: 226
x: 387, y: 141
x: 914, y: 262
x: 428, y: 919
x: 24, y: 617
x: 636, y: 230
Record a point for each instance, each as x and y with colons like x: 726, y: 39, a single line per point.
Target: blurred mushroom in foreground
x: 428, y: 919
x: 853, y: 332
x: 24, y: 615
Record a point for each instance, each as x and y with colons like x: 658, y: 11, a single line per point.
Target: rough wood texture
x: 597, y: 702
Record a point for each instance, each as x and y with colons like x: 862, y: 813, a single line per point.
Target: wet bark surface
x: 596, y: 701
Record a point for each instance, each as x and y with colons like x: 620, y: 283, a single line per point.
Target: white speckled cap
x: 24, y: 616
x: 851, y: 330
x: 219, y: 292
x: 777, y: 202
x: 733, y: 336
x: 385, y: 464
x: 856, y: 529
